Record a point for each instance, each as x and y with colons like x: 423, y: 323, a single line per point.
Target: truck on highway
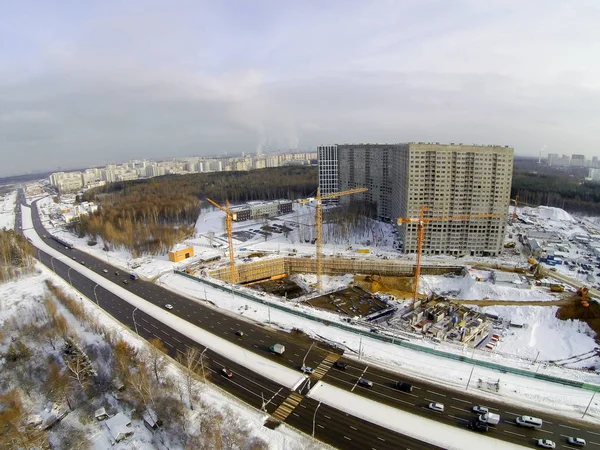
x: 490, y: 418
x: 278, y: 349
x: 133, y: 276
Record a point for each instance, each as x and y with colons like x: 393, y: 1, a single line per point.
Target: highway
x: 253, y: 388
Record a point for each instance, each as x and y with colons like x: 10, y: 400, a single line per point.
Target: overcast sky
x: 90, y: 82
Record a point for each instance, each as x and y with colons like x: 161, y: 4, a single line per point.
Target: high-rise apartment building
x: 451, y: 180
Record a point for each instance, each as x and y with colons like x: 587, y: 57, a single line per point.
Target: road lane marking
x: 169, y: 344
x: 381, y: 439
x: 593, y: 432
x: 436, y: 393
x: 457, y: 418
x: 346, y: 437
x: 513, y: 414
x: 320, y: 426
x: 459, y: 409
x: 354, y: 428
x: 516, y: 434
x: 566, y: 426
x: 461, y: 400
x: 545, y: 431
x: 593, y: 443
x: 326, y: 416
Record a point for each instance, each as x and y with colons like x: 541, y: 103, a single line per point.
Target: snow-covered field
x: 7, y: 210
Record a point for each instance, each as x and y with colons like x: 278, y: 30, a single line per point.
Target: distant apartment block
x: 451, y: 180
x: 578, y: 161
x: 259, y: 210
x: 73, y: 181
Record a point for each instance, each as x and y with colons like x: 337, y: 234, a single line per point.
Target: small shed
x: 151, y: 420
x: 119, y: 427
x: 101, y: 414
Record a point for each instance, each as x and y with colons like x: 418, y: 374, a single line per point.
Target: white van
x: 529, y: 422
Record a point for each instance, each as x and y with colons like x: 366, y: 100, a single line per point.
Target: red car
x: 228, y: 373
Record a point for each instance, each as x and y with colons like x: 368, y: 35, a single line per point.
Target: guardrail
x: 400, y: 342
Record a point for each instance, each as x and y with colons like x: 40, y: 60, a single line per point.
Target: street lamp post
x: 305, y: 356
x: 589, y: 404
x: 202, y: 363
x: 52, y: 264
x: 134, y: 324
x: 69, y: 275
x: 315, y: 419
x: 95, y: 295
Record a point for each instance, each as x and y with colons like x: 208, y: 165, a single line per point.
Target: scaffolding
x: 273, y: 268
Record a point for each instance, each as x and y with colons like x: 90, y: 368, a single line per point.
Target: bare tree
x: 157, y: 358
x: 191, y: 361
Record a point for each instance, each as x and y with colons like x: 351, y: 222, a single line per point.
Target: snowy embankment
x: 7, y: 211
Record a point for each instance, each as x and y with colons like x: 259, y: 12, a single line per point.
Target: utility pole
x: 96, y: 296
x: 202, y: 363
x: 589, y: 404
x: 69, y: 275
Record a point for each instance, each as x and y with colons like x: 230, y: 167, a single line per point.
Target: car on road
x: 117, y: 273
x: 169, y: 306
x: 434, y: 406
x: 480, y: 409
x: 307, y: 369
x: 104, y: 270
x: 82, y: 263
x: 74, y: 258
x: 226, y: 372
x: 545, y: 443
x: 340, y: 365
x: 125, y: 281
x: 478, y: 425
x: 579, y: 442
x: 239, y: 333
x: 403, y: 386
x: 366, y: 383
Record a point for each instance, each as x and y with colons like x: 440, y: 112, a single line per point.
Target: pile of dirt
x: 399, y: 287
x: 589, y: 315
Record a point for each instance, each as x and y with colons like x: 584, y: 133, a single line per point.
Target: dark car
x: 117, y: 273
x: 340, y: 365
x: 366, y: 383
x: 478, y: 425
x: 403, y: 386
x: 125, y: 282
x: 239, y: 333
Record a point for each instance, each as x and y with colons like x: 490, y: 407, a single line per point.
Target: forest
x: 150, y: 216
x: 550, y: 186
x: 16, y: 255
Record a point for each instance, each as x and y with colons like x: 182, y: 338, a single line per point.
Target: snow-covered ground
x: 543, y: 336
x: 7, y: 210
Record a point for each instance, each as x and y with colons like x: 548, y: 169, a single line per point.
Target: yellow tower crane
x: 319, y: 220
x: 229, y: 227
x: 517, y: 203
x: 421, y: 221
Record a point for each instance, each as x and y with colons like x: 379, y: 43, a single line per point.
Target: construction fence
x: 397, y: 341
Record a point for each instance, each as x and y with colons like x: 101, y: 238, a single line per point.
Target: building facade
x: 450, y: 180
